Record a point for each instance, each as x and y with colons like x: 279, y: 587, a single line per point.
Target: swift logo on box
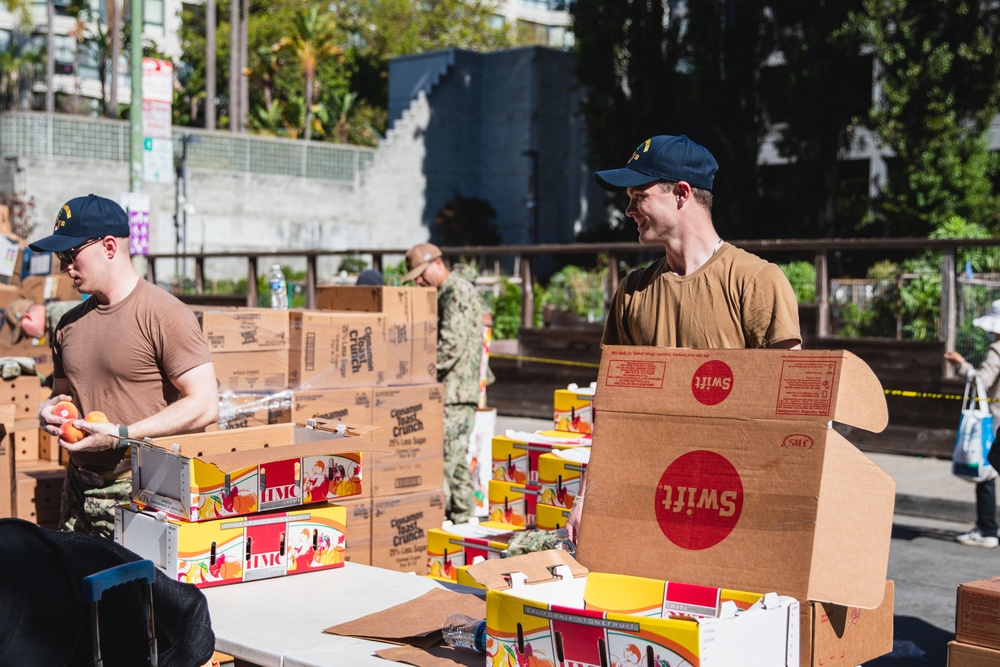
x: 797, y: 441
x: 712, y: 382
x: 698, y: 500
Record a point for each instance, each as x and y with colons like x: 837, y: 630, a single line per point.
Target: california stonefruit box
x: 573, y: 409
x: 456, y: 546
x: 720, y: 467
x: 515, y: 453
x: 545, y: 608
x: 227, y: 473
x: 244, y: 548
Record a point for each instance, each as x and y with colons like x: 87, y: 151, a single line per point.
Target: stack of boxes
x: 228, y: 506
x: 977, y: 625
x: 367, y: 356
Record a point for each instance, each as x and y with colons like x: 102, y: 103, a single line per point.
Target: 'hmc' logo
x: 699, y: 500
x: 712, y: 382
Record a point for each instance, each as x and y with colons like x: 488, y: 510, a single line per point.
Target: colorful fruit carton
x: 229, y: 551
x: 463, y: 544
x: 560, y: 474
x: 550, y: 517
x: 569, y: 616
x: 573, y: 408
x: 515, y: 453
x: 513, y: 503
x: 219, y: 474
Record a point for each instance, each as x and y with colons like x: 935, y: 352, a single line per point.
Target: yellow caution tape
x: 537, y: 360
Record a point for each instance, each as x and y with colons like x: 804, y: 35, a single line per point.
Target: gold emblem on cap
x: 60, y: 220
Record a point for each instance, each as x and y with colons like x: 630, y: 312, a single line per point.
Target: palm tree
x: 313, y: 40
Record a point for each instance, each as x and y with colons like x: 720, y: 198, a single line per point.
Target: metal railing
x: 64, y: 135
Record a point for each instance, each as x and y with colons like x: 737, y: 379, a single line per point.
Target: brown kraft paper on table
x: 417, y: 622
x: 435, y: 656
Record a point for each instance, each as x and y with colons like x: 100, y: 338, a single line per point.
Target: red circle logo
x: 712, y: 382
x: 699, y: 499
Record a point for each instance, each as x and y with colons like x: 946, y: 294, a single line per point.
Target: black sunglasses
x: 69, y: 256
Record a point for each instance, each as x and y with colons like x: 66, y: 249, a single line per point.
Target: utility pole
x: 135, y: 108
x: 50, y: 56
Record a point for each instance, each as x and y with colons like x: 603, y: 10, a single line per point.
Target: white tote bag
x: 975, y: 437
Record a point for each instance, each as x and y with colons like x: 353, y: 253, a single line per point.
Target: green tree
x: 939, y: 67
x: 314, y: 39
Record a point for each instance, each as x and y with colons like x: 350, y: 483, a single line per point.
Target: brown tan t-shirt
x: 735, y: 300
x: 119, y: 359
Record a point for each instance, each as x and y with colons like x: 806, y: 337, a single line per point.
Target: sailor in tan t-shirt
x: 704, y: 293
x: 131, y: 351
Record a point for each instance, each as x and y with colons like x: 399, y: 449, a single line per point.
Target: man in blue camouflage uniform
x: 459, y: 353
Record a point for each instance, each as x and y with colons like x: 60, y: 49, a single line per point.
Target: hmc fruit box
x: 227, y: 473
x: 515, y: 453
x: 721, y: 467
x: 545, y: 608
x: 228, y: 551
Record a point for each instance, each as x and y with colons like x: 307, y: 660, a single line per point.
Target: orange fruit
x: 70, y: 433
x: 66, y: 410
x: 96, y: 416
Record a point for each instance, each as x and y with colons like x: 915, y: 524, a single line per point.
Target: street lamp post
x: 183, y: 206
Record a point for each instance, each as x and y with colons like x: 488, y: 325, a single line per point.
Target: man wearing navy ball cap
x: 132, y: 351
x: 704, y: 293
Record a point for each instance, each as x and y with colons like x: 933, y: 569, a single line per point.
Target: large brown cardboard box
x: 243, y: 329
x: 977, y: 617
x: 39, y: 491
x: 408, y: 310
x: 33, y: 348
x: 968, y: 655
x: 55, y: 287
x: 399, y: 529
x: 847, y: 636
x: 347, y: 405
x: 359, y: 529
x: 410, y: 440
x: 7, y: 486
x: 337, y: 350
x: 252, y: 371
x: 719, y: 467
x: 23, y: 393
x: 25, y: 440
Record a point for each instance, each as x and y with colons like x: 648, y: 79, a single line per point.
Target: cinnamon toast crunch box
x: 228, y: 551
x: 217, y: 474
x: 544, y: 608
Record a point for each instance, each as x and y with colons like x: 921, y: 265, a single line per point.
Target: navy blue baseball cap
x: 663, y: 158
x: 82, y: 219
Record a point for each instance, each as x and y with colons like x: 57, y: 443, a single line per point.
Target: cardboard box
x: 547, y: 606
x: 228, y: 473
x: 969, y: 655
x: 5, y: 227
x: 779, y: 510
x: 11, y: 257
x: 573, y: 409
x: 55, y: 287
x: 25, y: 440
x: 253, y: 371
x: 39, y: 491
x: 337, y: 350
x: 359, y: 529
x: 8, y: 502
x: 464, y: 544
x: 352, y: 406
x: 227, y: 551
x: 244, y: 329
x: 848, y: 636
x: 23, y: 393
x: 514, y: 503
x: 411, y: 325
x: 550, y: 517
x: 977, y: 617
x: 410, y: 441
x: 399, y: 529
x: 560, y: 473
x: 515, y: 453
x: 254, y: 409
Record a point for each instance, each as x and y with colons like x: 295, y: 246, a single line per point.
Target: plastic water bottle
x: 279, y: 289
x: 465, y: 632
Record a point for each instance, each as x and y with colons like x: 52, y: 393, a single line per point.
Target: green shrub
x: 802, y: 276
